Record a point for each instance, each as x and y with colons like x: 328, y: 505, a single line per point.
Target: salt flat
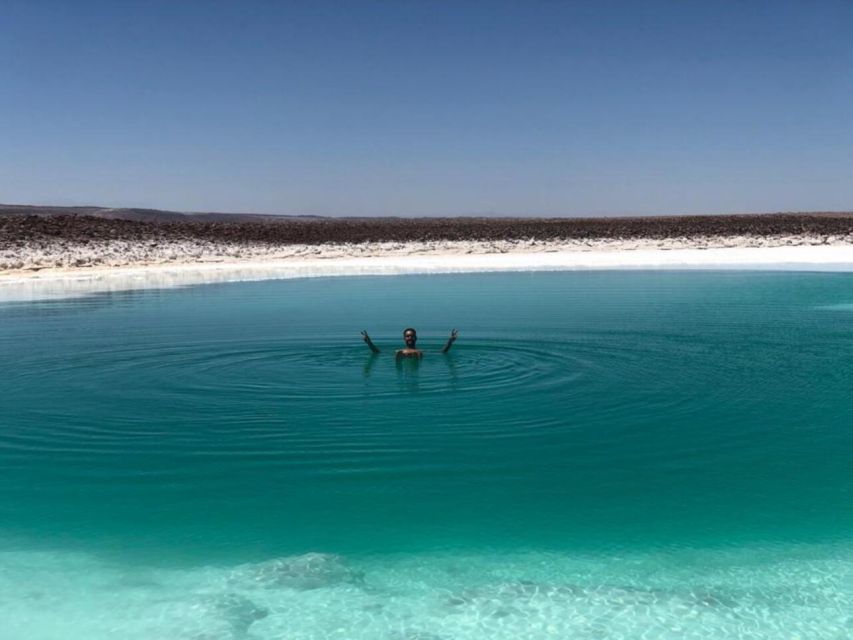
x: 424, y: 258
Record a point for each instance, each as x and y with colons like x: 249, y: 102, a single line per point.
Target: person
x: 410, y: 337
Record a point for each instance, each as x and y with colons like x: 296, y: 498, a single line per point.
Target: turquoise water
x: 601, y: 455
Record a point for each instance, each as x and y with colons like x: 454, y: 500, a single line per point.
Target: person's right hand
x: 364, y: 336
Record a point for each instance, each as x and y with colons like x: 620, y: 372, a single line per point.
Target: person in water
x: 410, y: 337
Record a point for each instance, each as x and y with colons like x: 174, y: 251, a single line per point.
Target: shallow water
x: 601, y: 455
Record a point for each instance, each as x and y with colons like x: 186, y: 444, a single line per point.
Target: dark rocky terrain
x: 87, y: 224
x: 34, y: 238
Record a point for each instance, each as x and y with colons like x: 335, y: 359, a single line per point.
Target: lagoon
x: 644, y: 454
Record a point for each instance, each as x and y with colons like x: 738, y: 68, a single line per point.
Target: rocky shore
x: 33, y: 240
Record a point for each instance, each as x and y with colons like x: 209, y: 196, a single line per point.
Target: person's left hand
x: 453, y: 334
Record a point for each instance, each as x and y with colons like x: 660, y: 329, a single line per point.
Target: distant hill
x: 21, y: 224
x: 159, y: 215
x: 144, y: 215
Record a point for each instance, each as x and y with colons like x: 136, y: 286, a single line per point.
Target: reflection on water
x: 407, y: 373
x: 409, y: 369
x: 370, y: 363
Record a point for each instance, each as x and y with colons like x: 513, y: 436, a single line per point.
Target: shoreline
x: 426, y: 258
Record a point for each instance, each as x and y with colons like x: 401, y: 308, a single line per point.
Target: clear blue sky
x: 429, y: 108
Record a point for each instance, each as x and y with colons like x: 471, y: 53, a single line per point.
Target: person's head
x: 410, y: 337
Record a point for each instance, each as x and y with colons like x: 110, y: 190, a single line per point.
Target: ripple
x: 570, y: 412
x: 581, y: 378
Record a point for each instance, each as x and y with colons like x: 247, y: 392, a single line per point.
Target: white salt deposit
x: 426, y: 258
x: 759, y: 594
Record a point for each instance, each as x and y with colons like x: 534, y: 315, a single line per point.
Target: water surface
x: 601, y: 455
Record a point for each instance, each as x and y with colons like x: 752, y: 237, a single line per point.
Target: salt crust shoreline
x: 301, y: 261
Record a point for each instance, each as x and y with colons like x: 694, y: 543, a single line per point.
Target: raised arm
x: 369, y: 342
x: 450, y: 341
